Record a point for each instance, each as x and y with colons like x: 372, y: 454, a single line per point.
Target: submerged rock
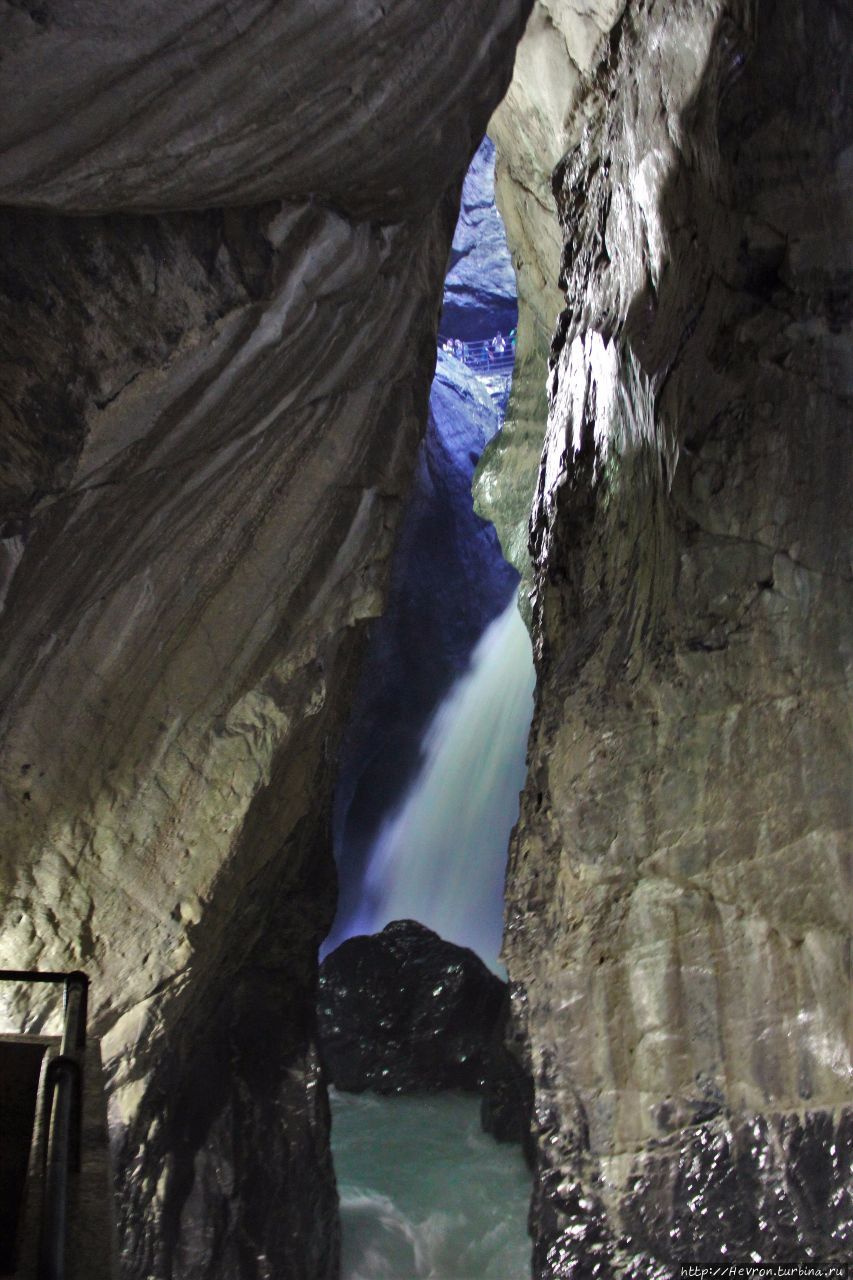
x: 507, y: 1108
x: 404, y: 1011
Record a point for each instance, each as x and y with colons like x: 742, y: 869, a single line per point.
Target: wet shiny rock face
x: 404, y: 1011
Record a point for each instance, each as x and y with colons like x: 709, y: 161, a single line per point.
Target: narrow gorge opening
x: 225, y: 230
x: 431, y: 769
x: 440, y: 721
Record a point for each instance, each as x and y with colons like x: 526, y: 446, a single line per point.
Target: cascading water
x: 440, y: 858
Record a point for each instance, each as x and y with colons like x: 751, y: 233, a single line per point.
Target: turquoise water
x: 425, y: 1193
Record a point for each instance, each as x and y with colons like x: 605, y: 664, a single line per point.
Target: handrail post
x: 72, y: 1050
x: 76, y: 1011
x: 62, y: 1101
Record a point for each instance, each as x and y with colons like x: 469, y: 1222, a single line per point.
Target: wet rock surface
x: 507, y: 1109
x: 403, y: 1011
x: 775, y: 1187
x: 676, y: 941
x: 533, y: 128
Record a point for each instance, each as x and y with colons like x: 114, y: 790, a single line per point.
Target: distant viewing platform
x: 489, y: 356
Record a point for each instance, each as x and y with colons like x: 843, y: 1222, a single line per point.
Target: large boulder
x: 403, y: 1011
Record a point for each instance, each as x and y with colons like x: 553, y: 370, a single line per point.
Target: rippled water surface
x: 425, y: 1193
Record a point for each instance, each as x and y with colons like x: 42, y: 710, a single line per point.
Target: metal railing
x: 483, y: 357
x: 63, y: 1116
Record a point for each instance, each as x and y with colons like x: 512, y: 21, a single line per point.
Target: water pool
x: 425, y: 1193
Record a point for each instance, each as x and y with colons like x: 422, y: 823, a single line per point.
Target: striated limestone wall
x: 678, y: 897
x: 212, y: 390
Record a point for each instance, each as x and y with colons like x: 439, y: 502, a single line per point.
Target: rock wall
x: 479, y: 288
x: 678, y: 890
x: 212, y: 391
x: 535, y: 124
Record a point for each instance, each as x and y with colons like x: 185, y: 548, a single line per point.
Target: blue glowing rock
x: 480, y: 290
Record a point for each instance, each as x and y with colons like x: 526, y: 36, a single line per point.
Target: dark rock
x: 762, y: 1186
x: 404, y: 1011
x: 506, y: 1111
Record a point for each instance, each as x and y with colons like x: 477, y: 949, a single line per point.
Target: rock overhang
x: 372, y: 108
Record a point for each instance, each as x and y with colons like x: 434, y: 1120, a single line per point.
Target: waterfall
x: 440, y: 858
